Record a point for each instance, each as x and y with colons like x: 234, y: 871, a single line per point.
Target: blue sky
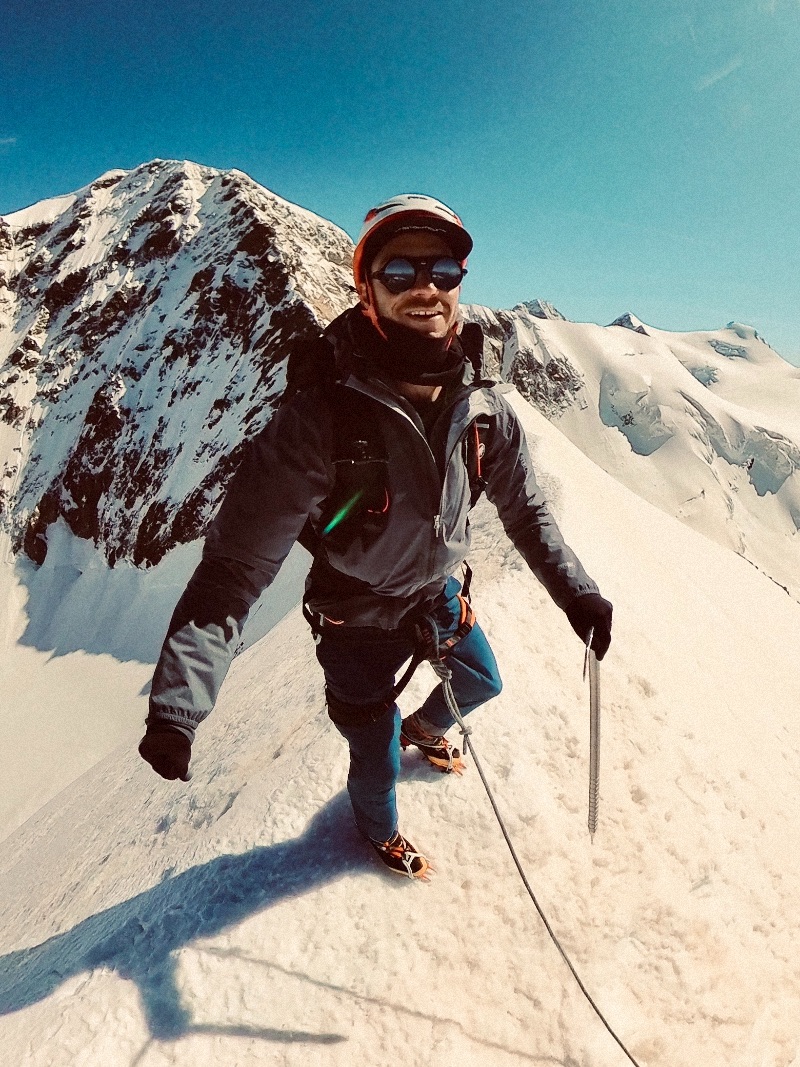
x: 607, y: 156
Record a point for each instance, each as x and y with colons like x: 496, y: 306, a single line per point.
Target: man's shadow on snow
x: 138, y: 937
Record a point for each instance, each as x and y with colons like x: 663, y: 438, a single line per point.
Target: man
x: 388, y: 521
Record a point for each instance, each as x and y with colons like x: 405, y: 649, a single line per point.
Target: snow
x: 76, y: 631
x: 711, y: 439
x: 41, y: 212
x: 238, y: 919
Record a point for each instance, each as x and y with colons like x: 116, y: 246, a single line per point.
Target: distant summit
x: 539, y: 309
x: 630, y: 322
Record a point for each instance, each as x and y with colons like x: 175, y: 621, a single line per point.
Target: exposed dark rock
x: 202, y: 280
x: 630, y: 322
x: 32, y: 233
x: 59, y: 295
x: 540, y: 309
x: 6, y: 237
x: 551, y: 386
x: 10, y: 413
x: 108, y: 181
x: 24, y: 358
x: 162, y: 243
x: 258, y: 239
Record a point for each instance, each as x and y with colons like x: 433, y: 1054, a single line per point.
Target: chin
x: 430, y: 328
x: 435, y: 335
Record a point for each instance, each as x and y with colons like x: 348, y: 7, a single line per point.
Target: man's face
x: 426, y: 309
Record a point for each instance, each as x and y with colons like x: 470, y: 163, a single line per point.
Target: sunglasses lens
x: 446, y: 274
x: 398, y: 275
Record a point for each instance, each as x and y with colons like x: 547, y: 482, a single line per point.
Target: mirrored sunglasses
x: 402, y: 274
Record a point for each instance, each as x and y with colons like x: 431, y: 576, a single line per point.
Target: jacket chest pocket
x: 358, y: 507
x: 456, y: 494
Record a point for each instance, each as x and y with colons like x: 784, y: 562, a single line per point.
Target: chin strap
x: 369, y: 312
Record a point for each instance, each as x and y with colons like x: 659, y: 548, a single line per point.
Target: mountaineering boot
x: 401, y: 857
x: 434, y: 747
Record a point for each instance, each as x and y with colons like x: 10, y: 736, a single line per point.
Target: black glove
x: 167, y: 750
x: 589, y: 611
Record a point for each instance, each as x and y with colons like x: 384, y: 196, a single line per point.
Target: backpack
x: 358, y: 505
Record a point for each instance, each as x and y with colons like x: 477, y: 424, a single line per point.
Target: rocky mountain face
x: 144, y: 325
x: 516, y: 351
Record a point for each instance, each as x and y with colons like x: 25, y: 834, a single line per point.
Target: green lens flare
x: 343, y: 512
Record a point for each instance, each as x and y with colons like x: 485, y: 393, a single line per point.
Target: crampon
x: 435, y: 748
x: 401, y: 857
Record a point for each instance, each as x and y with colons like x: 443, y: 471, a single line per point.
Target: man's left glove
x: 590, y: 611
x: 167, y: 750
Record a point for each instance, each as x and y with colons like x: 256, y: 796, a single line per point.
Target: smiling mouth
x: 423, y: 314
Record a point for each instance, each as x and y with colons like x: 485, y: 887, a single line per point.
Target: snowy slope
x: 238, y: 919
x: 704, y: 425
x: 77, y: 647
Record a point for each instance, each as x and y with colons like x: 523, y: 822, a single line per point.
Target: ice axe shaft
x: 590, y: 663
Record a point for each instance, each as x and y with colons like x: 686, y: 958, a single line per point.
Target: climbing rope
x: 445, y: 675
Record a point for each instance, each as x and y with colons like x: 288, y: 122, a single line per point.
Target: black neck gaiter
x: 405, y: 355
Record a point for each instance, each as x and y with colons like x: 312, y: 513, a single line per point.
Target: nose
x: 423, y: 283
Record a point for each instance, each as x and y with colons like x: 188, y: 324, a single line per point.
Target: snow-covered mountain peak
x: 630, y: 322
x: 145, y: 318
x: 705, y: 425
x: 539, y: 309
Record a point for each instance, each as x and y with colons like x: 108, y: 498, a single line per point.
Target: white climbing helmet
x: 408, y: 211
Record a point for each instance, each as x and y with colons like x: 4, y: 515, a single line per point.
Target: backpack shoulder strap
x: 311, y: 362
x: 357, y: 435
x: 471, y: 338
x: 359, y: 500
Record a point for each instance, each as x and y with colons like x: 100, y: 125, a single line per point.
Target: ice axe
x: 590, y: 664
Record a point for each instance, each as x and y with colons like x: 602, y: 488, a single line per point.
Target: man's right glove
x: 167, y: 750
x: 590, y: 611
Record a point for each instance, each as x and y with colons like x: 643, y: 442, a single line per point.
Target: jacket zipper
x: 440, y: 479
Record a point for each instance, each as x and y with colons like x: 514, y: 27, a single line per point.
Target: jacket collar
x: 349, y: 361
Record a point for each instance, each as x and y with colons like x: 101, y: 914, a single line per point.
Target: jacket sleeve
x: 512, y: 487
x: 284, y: 477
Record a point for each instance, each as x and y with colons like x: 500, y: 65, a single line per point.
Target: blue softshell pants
x: 361, y: 669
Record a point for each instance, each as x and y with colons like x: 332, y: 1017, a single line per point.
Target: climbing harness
x: 445, y: 675
x: 426, y: 637
x: 427, y: 646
